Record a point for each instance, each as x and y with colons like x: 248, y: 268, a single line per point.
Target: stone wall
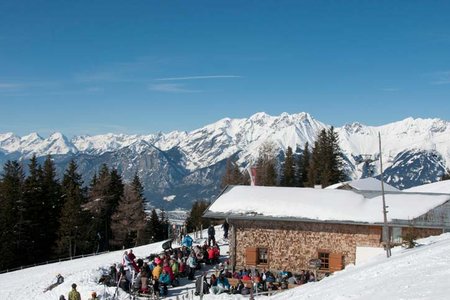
x: 292, y: 244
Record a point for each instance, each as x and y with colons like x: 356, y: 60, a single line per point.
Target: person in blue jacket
x: 187, y: 241
x: 222, y: 285
x: 164, y: 281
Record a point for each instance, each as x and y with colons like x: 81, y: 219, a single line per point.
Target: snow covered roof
x: 320, y: 204
x: 435, y: 187
x: 364, y: 184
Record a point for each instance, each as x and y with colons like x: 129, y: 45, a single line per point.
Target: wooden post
x: 201, y: 287
x: 386, y: 235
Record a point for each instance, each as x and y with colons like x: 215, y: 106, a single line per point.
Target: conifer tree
x: 116, y: 190
x: 302, y: 163
x: 446, y: 176
x: 233, y: 176
x: 151, y: 228
x: 51, y: 192
x: 335, y: 157
x: 266, y: 173
x: 195, y: 221
x: 36, y: 215
x: 98, y: 205
x: 288, y: 178
x: 326, y: 166
x: 12, y: 236
x: 314, y: 167
x: 164, y: 226
x: 75, y: 233
x: 128, y: 221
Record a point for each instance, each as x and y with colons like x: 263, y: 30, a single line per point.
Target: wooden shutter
x: 336, y: 262
x: 251, y: 256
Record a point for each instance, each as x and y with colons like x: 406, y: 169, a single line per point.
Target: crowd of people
x: 260, y: 281
x: 157, y: 273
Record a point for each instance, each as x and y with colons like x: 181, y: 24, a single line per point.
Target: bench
x: 234, y: 282
x: 248, y: 283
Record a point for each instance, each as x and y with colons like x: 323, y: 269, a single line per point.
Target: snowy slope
x: 419, y: 273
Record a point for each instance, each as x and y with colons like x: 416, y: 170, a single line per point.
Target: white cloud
x: 171, y: 88
x: 442, y: 77
x: 10, y: 86
x: 198, y: 77
x: 390, y: 89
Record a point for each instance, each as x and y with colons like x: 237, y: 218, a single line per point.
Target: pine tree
x: 195, y: 221
x: 303, y: 162
x: 314, y: 168
x: 116, y: 190
x: 35, y: 214
x: 51, y: 192
x: 99, y: 202
x: 11, y: 215
x: 151, y: 228
x: 446, y: 176
x: 75, y: 233
x: 233, y: 176
x: 129, y: 219
x: 288, y: 178
x: 326, y: 165
x: 335, y: 157
x: 266, y: 173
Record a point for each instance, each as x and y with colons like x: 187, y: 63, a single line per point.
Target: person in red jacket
x: 211, y: 255
x: 169, y: 271
x: 216, y: 253
x: 131, y: 255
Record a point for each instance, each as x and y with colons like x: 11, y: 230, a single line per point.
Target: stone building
x: 281, y: 228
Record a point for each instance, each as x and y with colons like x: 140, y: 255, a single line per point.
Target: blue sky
x: 91, y: 67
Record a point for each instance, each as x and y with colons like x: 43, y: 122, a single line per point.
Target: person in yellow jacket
x: 157, y: 272
x: 74, y: 294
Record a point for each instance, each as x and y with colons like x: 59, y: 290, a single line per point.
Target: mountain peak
x: 33, y: 135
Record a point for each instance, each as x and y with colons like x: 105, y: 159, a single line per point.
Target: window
x: 325, y: 258
x: 330, y: 261
x: 255, y: 256
x: 396, y: 237
x: 262, y: 255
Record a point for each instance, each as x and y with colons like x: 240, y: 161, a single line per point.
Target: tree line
x: 43, y: 217
x: 321, y: 164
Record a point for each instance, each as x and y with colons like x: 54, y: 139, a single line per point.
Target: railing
x: 51, y: 262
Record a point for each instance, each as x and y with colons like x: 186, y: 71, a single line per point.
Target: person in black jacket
x: 225, y: 227
x: 211, y: 235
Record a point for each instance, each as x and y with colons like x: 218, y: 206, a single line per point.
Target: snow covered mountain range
x: 179, y: 167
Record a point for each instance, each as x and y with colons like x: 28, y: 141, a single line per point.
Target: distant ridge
x: 189, y: 165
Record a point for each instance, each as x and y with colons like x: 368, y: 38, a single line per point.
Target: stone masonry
x: 292, y: 244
